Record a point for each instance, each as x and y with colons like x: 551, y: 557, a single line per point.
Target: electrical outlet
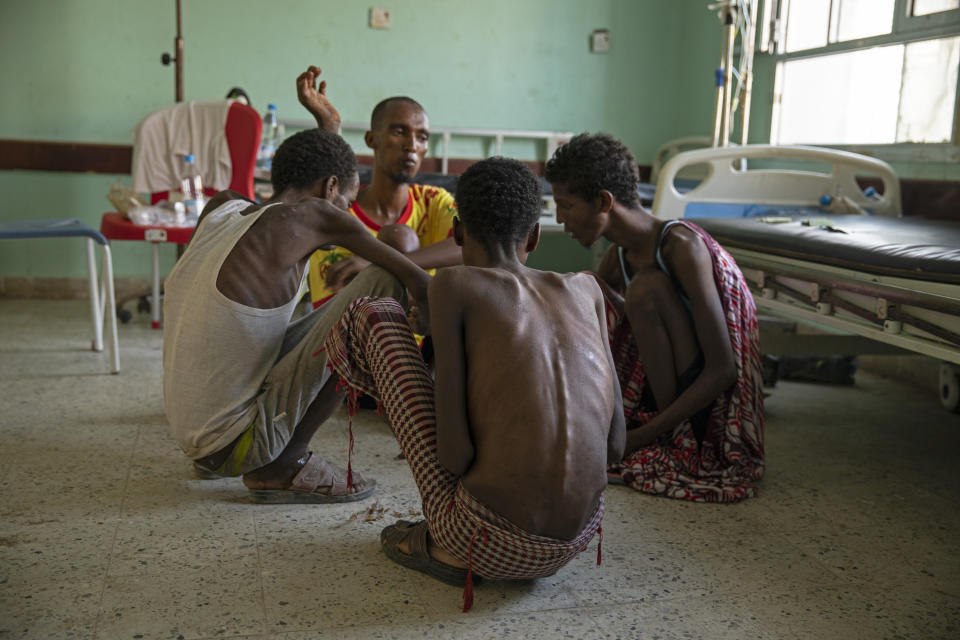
x: 600, y: 40
x: 379, y: 18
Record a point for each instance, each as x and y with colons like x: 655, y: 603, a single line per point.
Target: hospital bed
x: 871, y: 282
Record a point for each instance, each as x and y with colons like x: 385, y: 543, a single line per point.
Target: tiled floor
x: 106, y: 533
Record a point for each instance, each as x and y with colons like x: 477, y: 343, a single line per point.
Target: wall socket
x: 379, y: 18
x: 600, y: 40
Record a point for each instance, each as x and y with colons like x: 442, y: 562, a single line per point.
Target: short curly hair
x: 590, y: 163
x: 309, y: 156
x: 499, y: 201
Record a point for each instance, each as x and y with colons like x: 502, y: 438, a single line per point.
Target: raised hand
x: 314, y: 98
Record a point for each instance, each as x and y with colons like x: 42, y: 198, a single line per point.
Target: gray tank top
x: 216, y: 352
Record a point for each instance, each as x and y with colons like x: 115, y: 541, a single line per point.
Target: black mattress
x: 908, y: 247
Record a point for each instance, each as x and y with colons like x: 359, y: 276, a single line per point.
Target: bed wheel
x: 950, y: 386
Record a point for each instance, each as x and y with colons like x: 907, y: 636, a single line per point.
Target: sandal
x: 315, y: 474
x: 419, y: 557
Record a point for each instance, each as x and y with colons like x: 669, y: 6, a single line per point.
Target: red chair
x: 243, y: 128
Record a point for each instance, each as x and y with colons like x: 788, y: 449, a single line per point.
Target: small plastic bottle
x: 268, y: 138
x: 192, y: 187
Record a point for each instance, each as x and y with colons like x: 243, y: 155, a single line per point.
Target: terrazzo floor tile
x: 630, y: 513
x: 61, y: 494
x: 49, y: 550
x: 337, y: 583
x: 920, y: 563
x: 922, y: 614
x: 49, y: 609
x: 542, y: 625
x: 88, y: 450
x: 687, y: 618
x: 513, y: 598
x: 534, y: 625
x: 830, y: 610
x: 853, y: 534
x: 172, y: 491
x: 188, y: 604
x: 633, y: 573
x: 147, y: 547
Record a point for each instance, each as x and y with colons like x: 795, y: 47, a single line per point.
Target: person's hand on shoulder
x: 314, y: 98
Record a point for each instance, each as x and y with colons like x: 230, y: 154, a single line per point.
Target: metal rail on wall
x: 552, y: 139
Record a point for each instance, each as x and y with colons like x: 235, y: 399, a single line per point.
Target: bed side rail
x: 727, y: 184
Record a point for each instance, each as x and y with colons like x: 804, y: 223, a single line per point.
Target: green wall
x: 89, y: 70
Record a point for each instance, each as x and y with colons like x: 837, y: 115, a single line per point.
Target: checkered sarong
x: 727, y: 465
x: 373, y: 350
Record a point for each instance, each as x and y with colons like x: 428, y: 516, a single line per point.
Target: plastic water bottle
x: 268, y: 139
x: 192, y: 187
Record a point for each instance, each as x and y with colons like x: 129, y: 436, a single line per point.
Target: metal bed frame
x: 858, y: 309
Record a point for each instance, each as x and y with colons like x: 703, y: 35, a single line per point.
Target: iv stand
x: 177, y: 59
x: 746, y: 79
x: 722, y: 114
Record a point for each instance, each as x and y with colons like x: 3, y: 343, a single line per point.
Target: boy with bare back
x: 245, y: 387
x: 509, y: 446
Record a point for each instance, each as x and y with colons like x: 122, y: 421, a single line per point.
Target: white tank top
x: 216, y: 352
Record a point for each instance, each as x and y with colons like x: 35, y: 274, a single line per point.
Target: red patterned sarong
x: 373, y: 350
x: 727, y: 465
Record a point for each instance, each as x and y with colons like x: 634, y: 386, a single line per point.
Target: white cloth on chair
x: 164, y: 137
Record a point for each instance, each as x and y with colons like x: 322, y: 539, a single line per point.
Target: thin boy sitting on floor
x: 683, y: 328
x: 509, y: 447
x: 245, y: 388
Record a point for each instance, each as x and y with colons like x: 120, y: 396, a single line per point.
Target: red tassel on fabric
x: 350, y: 458
x: 468, y: 588
x: 468, y: 592
x: 318, y: 352
x: 351, y: 411
x: 600, y: 545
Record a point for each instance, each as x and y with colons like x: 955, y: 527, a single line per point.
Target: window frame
x: 904, y: 30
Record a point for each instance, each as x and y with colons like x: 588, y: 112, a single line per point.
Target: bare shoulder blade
x: 535, y: 345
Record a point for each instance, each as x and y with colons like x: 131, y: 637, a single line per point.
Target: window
x: 926, y: 7
x: 865, y: 72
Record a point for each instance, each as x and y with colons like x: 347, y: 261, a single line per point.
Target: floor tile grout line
x: 256, y: 542
x: 116, y: 532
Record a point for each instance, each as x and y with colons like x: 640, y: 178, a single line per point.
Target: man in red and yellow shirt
x: 417, y: 219
x: 429, y: 214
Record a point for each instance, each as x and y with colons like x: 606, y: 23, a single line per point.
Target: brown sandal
x: 317, y: 473
x: 419, y: 557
